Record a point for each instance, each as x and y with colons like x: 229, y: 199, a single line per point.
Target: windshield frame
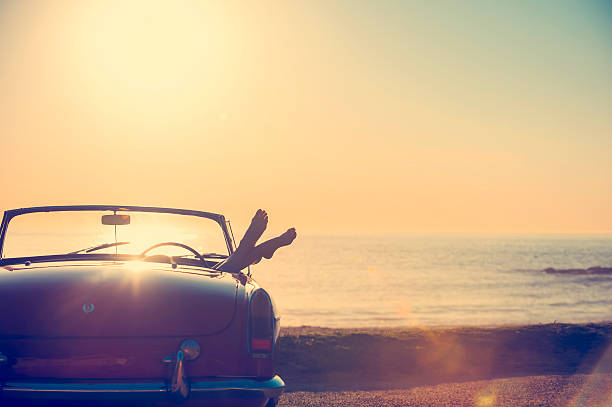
x: 10, y: 214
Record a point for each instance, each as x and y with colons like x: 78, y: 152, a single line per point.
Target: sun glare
x: 153, y: 54
x: 146, y: 236
x: 485, y: 400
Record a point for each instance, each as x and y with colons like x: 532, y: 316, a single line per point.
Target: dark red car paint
x: 141, y: 313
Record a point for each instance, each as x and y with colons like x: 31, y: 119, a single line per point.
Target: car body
x: 116, y: 326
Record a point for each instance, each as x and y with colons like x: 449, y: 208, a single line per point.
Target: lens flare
x: 593, y: 391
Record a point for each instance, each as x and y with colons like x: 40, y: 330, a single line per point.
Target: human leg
x: 269, y: 247
x: 240, y: 258
x: 246, y: 254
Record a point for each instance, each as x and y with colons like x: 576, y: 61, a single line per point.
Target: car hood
x: 114, y: 300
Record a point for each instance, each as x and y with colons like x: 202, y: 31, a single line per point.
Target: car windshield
x: 83, y: 232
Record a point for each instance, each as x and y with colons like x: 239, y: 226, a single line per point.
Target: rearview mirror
x: 115, y: 220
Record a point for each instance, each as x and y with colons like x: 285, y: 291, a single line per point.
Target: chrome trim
x: 88, y: 307
x: 190, y: 348
x: 168, y: 360
x: 27, y: 387
x: 179, y: 386
x: 10, y: 214
x: 269, y: 388
x: 275, y: 383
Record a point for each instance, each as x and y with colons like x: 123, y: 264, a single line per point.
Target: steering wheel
x: 184, y: 246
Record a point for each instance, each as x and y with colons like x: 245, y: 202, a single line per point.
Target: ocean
x: 433, y: 281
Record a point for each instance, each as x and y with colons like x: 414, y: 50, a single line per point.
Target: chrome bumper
x: 271, y: 388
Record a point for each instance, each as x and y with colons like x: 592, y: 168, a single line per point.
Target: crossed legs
x: 248, y: 253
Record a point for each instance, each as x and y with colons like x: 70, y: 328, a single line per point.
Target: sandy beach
x: 547, y: 365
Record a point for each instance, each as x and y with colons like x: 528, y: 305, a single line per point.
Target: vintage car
x: 112, y: 302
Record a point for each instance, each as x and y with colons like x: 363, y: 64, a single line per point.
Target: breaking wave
x: 597, y: 270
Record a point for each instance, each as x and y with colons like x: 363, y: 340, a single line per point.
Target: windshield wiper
x: 99, y: 247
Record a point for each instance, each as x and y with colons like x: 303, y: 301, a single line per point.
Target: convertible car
x: 118, y: 303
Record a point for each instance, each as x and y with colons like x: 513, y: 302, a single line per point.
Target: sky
x: 338, y: 117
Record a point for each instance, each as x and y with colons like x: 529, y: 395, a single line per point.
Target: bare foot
x: 267, y: 248
x: 256, y: 228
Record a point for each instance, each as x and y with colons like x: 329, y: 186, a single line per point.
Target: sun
x: 148, y: 56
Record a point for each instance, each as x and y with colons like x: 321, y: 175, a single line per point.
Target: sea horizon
x: 440, y: 280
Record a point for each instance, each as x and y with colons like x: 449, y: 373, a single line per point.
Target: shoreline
x: 350, y: 359
x: 293, y: 330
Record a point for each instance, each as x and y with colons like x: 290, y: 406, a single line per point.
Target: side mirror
x: 115, y: 220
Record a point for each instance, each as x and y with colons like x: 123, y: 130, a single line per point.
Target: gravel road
x: 549, y: 391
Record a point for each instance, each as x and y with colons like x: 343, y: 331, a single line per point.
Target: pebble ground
x: 546, y: 391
